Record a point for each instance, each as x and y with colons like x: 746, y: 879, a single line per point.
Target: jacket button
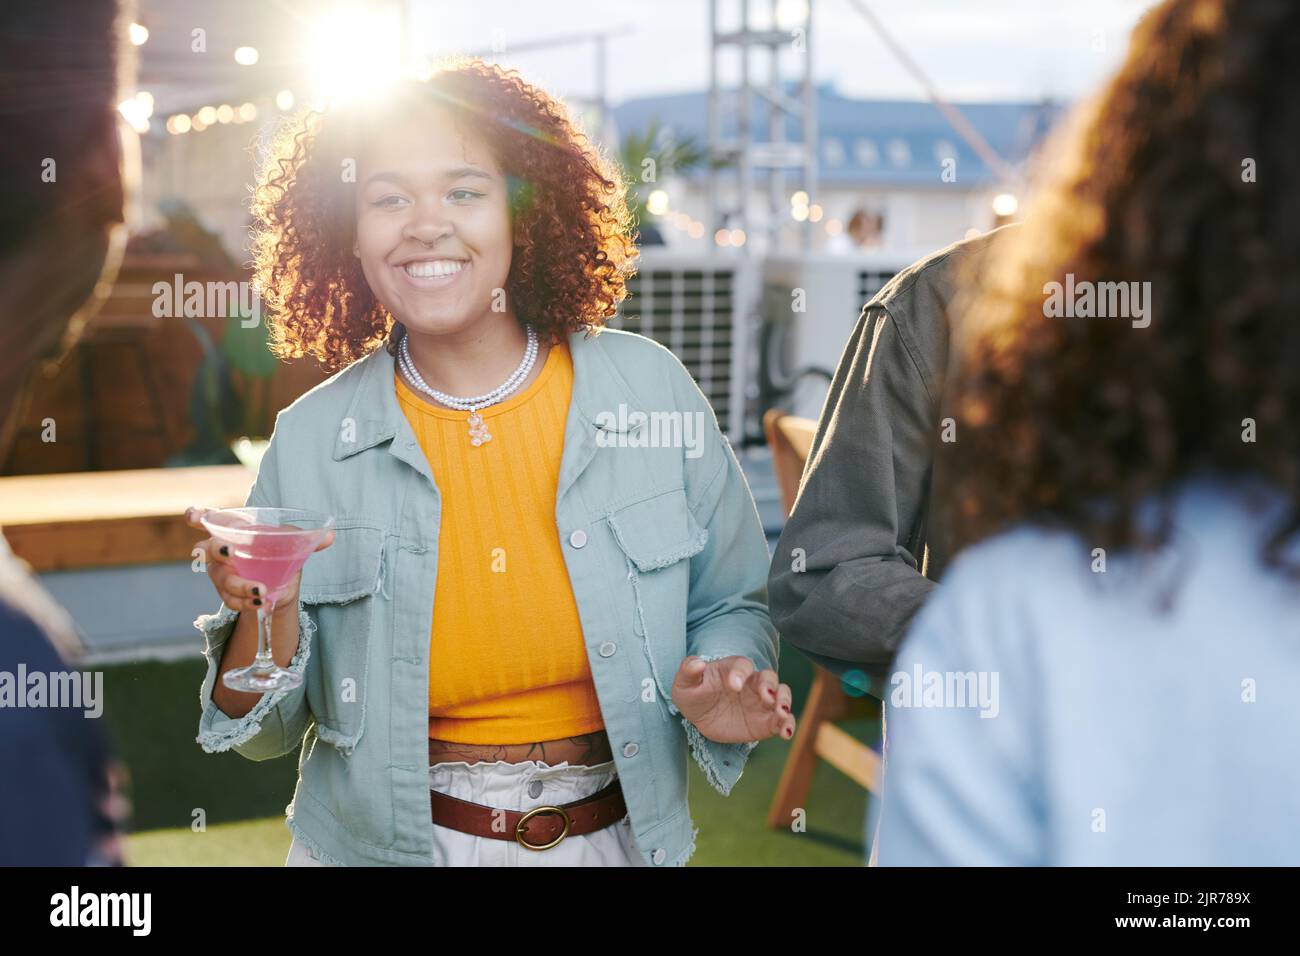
x: 578, y: 538
x: 629, y: 750
x: 607, y: 649
x: 659, y: 856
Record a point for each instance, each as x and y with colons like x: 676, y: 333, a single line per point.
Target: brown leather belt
x: 537, y: 829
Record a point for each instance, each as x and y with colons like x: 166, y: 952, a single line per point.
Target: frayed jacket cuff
x: 722, y: 763
x: 275, y: 724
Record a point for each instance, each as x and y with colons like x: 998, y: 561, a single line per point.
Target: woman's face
x: 433, y: 224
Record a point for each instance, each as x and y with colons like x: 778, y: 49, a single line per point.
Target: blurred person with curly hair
x: 1108, y: 673
x: 66, y: 168
x: 536, y: 602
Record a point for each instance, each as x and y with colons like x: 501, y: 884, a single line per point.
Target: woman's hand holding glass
x: 237, y: 593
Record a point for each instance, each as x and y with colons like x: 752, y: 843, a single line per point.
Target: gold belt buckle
x: 523, y: 821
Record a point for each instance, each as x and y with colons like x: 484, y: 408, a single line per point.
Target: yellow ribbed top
x: 507, y: 660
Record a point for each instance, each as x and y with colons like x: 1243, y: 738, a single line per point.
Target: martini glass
x: 269, y: 546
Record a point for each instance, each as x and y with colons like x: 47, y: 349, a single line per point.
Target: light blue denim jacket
x: 1048, y: 710
x: 666, y: 557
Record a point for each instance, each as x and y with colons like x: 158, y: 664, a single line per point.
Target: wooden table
x: 113, y: 518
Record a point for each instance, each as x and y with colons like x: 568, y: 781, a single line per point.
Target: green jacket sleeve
x: 846, y: 578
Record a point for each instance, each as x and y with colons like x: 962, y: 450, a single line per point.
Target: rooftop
x: 867, y: 142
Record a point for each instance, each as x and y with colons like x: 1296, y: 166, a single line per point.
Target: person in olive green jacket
x: 860, y: 553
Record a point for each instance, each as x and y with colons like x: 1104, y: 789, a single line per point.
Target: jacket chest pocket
x: 338, y: 592
x: 657, y: 537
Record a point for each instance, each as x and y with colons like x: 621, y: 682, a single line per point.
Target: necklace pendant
x: 478, y: 433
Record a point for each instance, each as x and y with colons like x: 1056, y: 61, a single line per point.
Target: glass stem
x: 264, y: 661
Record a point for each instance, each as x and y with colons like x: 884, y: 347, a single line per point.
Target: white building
x: 901, y: 160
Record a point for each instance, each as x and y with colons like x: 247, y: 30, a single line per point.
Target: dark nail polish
x: 225, y: 551
x: 256, y: 591
x: 257, y: 601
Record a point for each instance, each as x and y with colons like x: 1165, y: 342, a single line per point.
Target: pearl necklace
x: 478, y: 433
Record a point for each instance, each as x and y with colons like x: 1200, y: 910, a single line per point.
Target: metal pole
x: 711, y: 178
x: 776, y: 133
x: 745, y: 138
x: 811, y: 145
x: 602, y: 103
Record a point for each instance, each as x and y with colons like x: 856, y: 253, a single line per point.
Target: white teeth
x: 434, y: 269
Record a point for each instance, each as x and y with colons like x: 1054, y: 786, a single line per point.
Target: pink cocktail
x: 269, y: 546
x: 273, y: 558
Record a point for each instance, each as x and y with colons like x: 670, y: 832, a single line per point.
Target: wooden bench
x: 113, y: 518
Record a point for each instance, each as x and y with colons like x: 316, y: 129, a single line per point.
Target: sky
x: 972, y: 50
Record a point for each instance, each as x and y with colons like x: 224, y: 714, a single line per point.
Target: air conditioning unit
x: 697, y: 307
x: 810, y: 304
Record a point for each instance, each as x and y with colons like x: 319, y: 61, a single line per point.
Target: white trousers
x: 519, y: 786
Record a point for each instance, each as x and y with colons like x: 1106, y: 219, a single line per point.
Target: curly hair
x: 573, y: 251
x: 1076, y: 422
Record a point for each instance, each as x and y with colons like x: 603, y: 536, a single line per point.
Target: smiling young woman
x: 545, y: 614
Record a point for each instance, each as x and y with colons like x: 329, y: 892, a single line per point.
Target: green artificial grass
x: 191, y: 808
x: 152, y: 710
x: 734, y: 830
x: 251, y: 843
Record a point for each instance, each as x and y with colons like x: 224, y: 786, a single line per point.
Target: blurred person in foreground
x: 61, y: 203
x: 1108, y: 675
